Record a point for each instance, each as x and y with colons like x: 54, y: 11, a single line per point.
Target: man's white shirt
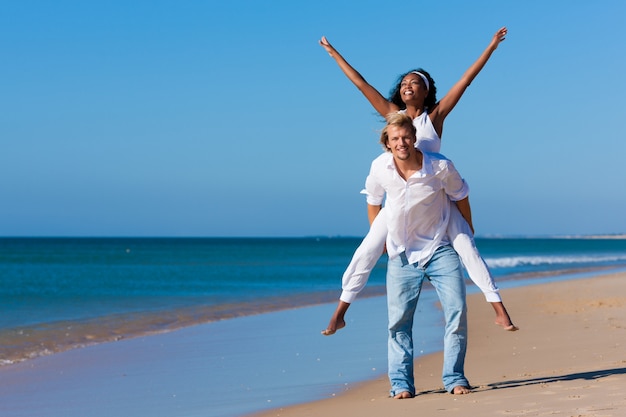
x: 418, y: 209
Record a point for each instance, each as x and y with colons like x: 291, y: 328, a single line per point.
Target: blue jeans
x: 404, y: 283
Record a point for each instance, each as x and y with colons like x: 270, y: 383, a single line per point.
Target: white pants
x: 371, y: 248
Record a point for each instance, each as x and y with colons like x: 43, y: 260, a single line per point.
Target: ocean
x: 69, y: 292
x: 59, y: 294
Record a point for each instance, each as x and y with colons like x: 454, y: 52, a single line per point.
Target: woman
x: 415, y: 94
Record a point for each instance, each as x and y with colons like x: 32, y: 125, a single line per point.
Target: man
x: 418, y: 187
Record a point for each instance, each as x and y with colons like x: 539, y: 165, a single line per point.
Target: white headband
x: 423, y: 77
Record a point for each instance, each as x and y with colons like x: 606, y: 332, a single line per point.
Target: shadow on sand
x: 588, y: 376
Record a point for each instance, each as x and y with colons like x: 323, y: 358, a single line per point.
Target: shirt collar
x: 427, y: 166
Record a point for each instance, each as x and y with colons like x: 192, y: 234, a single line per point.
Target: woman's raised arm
x: 377, y: 100
x: 450, y: 100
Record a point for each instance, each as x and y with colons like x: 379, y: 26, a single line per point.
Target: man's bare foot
x: 333, y: 326
x: 403, y: 395
x: 461, y: 390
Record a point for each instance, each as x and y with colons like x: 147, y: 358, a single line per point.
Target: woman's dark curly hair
x: 431, y: 98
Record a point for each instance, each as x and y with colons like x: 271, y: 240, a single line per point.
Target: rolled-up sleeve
x: 454, y: 185
x: 374, y: 191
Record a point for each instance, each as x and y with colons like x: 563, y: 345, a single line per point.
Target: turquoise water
x: 59, y: 293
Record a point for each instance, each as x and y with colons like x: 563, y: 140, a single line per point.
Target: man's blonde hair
x: 399, y: 120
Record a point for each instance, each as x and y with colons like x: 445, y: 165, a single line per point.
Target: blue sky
x: 226, y: 118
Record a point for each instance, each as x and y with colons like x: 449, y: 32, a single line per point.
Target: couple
x: 418, y: 187
x: 419, y: 224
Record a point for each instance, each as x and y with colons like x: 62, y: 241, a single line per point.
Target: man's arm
x: 466, y: 211
x: 372, y: 212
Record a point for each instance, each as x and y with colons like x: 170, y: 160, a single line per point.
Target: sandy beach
x: 568, y: 359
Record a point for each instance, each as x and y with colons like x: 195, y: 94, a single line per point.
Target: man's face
x: 401, y: 142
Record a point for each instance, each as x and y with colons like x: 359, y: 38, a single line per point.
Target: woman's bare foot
x: 403, y: 395
x: 509, y: 328
x: 461, y: 390
x: 502, y: 317
x: 336, y: 321
x: 333, y: 326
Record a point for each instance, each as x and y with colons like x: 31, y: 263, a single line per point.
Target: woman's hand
x: 326, y: 45
x: 499, y: 37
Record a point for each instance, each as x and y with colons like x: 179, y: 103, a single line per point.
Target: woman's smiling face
x: 413, y: 88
